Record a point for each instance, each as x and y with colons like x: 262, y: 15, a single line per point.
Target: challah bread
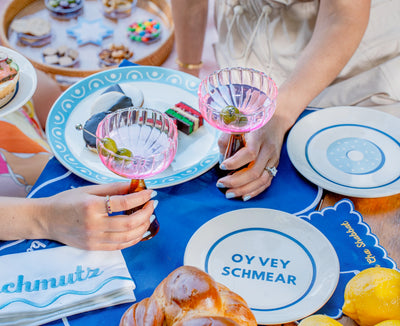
x: 190, y: 297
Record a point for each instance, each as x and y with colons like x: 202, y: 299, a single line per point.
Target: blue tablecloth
x: 185, y: 207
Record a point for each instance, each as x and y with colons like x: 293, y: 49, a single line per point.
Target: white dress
x: 269, y: 35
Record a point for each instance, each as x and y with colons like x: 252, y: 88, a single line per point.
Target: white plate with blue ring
x: 282, y: 266
x: 351, y: 151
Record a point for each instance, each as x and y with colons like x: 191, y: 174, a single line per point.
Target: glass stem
x: 137, y: 185
x: 236, y: 142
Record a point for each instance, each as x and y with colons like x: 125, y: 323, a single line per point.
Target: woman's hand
x: 262, y: 150
x: 79, y: 217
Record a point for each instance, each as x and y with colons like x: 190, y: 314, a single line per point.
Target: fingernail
x: 153, y: 194
x: 222, y: 167
x: 220, y: 185
x: 155, y: 204
x: 229, y: 195
x: 152, y: 217
x: 221, y: 158
x: 146, y: 234
x: 246, y: 198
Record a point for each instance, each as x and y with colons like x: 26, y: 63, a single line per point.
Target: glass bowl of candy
x: 146, y: 31
x: 64, y: 9
x: 113, y: 55
x: 116, y: 9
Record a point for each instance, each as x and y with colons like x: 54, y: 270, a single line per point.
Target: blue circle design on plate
x: 355, y: 155
x: 348, y: 125
x: 312, y: 261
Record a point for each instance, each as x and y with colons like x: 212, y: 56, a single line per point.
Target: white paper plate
x: 281, y: 265
x: 26, y: 85
x: 348, y: 150
x: 162, y: 88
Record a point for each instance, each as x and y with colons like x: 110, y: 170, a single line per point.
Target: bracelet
x: 188, y: 65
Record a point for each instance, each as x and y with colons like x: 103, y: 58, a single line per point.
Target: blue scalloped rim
x: 356, y: 246
x: 63, y: 107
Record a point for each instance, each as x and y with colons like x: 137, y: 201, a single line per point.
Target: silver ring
x: 108, y: 207
x: 272, y: 171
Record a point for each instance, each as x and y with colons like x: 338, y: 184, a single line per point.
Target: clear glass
x: 251, y: 93
x: 64, y: 12
x: 151, y: 137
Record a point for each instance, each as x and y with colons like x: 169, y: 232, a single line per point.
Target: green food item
x: 14, y: 65
x: 242, y: 121
x: 229, y: 114
x: 54, y: 3
x: 110, y: 144
x: 124, y: 152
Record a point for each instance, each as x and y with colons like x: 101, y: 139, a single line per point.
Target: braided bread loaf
x: 190, y: 297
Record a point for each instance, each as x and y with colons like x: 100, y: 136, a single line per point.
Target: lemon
x: 389, y: 323
x: 372, y: 296
x: 319, y: 320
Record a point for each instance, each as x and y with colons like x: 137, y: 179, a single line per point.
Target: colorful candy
x: 146, y: 31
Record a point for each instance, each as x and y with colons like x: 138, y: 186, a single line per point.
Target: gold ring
x: 108, y: 207
x: 272, y: 171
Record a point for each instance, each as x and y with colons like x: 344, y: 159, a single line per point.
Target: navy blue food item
x: 111, y: 100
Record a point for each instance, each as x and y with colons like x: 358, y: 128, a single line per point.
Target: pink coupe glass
x: 147, y: 142
x: 236, y: 101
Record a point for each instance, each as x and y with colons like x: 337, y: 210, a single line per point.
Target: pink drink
x: 149, y: 146
x: 250, y: 92
x: 236, y: 101
x: 255, y: 108
x: 149, y: 135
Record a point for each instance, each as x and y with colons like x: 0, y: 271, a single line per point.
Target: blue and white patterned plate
x: 348, y: 150
x: 284, y: 267
x: 162, y: 88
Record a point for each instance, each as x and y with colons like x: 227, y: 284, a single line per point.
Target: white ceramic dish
x: 162, y: 88
x: 281, y: 265
x: 348, y: 150
x: 26, y: 85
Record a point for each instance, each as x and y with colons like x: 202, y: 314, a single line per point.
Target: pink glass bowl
x: 150, y: 135
x: 252, y: 92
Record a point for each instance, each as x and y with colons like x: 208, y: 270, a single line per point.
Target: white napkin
x: 40, y: 286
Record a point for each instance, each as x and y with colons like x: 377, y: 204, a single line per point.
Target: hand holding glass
x: 236, y: 101
x: 137, y: 143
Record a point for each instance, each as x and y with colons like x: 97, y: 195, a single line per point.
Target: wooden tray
x: 144, y: 54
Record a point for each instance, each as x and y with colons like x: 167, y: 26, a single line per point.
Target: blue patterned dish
x: 162, y: 88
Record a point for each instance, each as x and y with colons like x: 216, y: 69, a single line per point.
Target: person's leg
x: 46, y: 94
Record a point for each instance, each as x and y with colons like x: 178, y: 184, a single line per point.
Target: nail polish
x: 229, y: 195
x: 222, y: 167
x: 155, y: 204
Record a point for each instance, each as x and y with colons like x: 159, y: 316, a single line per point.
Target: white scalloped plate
x: 283, y: 266
x: 162, y: 88
x: 26, y: 85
